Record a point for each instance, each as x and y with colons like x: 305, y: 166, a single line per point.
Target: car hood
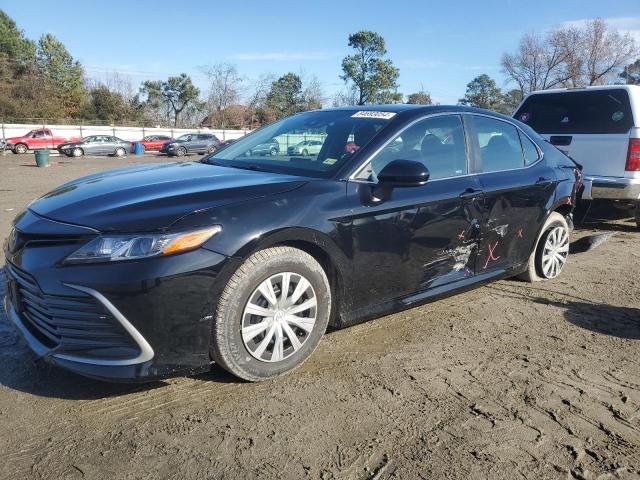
x: 154, y: 196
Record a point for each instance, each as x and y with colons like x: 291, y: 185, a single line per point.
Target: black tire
x: 273, y: 152
x: 535, y: 271
x: 77, y: 152
x: 636, y: 213
x: 211, y: 149
x: 305, y: 152
x: 229, y: 349
x: 20, y: 149
x: 181, y: 152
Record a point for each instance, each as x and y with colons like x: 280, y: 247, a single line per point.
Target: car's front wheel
x: 77, y: 152
x: 272, y: 314
x: 551, y: 251
x: 181, y: 152
x: 20, y: 149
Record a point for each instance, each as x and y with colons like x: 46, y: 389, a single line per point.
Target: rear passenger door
x: 199, y: 143
x: 517, y: 185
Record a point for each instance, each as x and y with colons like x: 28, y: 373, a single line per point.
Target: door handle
x: 470, y: 192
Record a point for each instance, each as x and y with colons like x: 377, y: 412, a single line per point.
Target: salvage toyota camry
x: 244, y: 260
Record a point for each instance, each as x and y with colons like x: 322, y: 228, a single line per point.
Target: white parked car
x: 599, y: 127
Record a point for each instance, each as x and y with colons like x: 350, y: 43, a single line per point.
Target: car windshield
x: 273, y: 148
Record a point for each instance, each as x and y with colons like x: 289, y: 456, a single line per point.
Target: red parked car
x: 155, y: 142
x: 35, y: 140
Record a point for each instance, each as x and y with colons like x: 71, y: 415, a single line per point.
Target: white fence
x: 126, y: 133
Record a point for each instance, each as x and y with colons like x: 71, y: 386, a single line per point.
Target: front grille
x: 70, y: 324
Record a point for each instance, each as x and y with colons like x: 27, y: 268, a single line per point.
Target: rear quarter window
x: 583, y: 112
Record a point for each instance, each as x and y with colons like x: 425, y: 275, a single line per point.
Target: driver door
x: 408, y: 240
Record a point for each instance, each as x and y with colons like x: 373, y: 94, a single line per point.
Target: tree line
x: 41, y: 80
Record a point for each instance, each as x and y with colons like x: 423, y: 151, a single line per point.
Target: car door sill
x: 465, y: 283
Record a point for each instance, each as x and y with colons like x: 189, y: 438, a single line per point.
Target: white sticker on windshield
x: 374, y: 114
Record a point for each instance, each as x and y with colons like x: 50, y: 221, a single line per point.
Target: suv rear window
x: 595, y: 111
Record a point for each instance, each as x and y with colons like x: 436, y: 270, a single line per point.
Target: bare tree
x: 540, y: 61
x: 570, y: 56
x: 347, y: 97
x: 312, y: 92
x: 605, y: 50
x: 257, y: 98
x: 225, y: 89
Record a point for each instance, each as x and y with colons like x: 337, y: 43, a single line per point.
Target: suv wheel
x: 272, y: 314
x: 20, y: 148
x: 552, y: 249
x: 181, y: 152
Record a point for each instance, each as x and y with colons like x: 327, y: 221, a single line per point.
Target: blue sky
x: 439, y: 45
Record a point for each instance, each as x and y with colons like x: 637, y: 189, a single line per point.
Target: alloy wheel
x: 554, y: 254
x: 279, y: 317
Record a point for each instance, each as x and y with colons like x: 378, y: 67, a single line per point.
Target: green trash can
x: 42, y: 158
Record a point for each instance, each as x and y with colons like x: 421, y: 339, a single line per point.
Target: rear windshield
x: 595, y: 111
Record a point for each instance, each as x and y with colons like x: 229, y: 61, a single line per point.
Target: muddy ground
x: 504, y: 382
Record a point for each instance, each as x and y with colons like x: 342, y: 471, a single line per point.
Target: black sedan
x: 96, y: 145
x: 244, y: 260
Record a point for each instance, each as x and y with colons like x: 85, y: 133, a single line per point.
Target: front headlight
x: 113, y: 248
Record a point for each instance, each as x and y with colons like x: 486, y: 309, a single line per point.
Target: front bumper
x: 128, y: 321
x: 612, y: 188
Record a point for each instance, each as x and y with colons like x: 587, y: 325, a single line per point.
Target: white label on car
x: 374, y: 114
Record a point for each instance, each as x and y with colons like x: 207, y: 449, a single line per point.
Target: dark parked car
x: 191, y: 143
x: 270, y: 147
x: 96, y: 145
x: 244, y: 260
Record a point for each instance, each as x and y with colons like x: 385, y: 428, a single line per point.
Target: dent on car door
x: 518, y: 186
x: 411, y: 239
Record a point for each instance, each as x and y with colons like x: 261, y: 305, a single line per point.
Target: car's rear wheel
x: 181, y: 152
x: 77, y: 152
x: 551, y: 251
x: 20, y: 148
x: 272, y: 314
x: 120, y: 152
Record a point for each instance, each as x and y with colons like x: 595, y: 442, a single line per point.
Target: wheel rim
x: 21, y: 149
x: 77, y: 152
x: 274, y: 152
x: 556, y: 249
x: 279, y: 317
x: 119, y: 152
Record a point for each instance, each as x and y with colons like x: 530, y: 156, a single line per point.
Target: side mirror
x: 403, y: 173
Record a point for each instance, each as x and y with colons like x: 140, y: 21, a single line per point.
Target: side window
x: 530, y: 151
x: 438, y: 142
x: 498, y: 142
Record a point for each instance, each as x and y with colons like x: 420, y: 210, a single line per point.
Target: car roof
x: 413, y: 110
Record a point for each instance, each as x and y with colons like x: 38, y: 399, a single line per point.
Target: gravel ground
x: 507, y: 381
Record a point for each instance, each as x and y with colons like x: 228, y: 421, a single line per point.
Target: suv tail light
x: 633, y: 156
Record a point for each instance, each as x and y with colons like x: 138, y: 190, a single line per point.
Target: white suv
x: 599, y: 127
